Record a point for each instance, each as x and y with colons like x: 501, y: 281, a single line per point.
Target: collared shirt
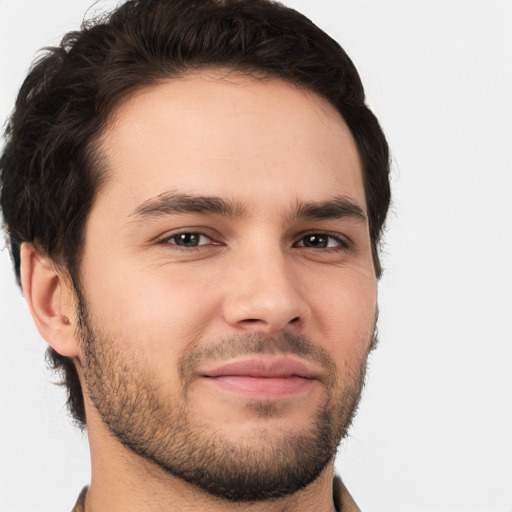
x: 342, y: 499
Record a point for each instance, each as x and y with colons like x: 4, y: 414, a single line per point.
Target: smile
x: 263, y: 378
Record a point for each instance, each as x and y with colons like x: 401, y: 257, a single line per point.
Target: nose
x: 264, y: 296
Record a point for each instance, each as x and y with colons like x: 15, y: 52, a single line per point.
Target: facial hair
x: 160, y: 428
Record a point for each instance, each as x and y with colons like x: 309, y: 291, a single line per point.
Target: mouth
x: 263, y: 378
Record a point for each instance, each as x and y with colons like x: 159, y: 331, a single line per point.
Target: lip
x: 264, y: 367
x: 265, y: 378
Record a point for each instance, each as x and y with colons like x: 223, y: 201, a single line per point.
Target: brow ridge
x: 169, y: 203
x: 338, y: 207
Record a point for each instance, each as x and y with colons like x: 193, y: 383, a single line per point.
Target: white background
x: 435, y: 425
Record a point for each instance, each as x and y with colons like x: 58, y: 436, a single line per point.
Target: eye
x: 321, y: 241
x: 187, y: 239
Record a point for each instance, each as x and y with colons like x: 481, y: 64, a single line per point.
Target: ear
x: 51, y: 301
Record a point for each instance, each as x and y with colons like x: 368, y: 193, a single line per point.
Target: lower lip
x: 263, y: 388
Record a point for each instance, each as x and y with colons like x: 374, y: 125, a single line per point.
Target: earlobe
x: 49, y: 298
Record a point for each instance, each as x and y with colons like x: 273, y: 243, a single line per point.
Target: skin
x: 266, y: 146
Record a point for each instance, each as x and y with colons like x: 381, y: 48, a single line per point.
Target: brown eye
x: 316, y: 241
x: 188, y: 239
x: 320, y: 241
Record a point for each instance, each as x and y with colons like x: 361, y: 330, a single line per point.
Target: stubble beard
x: 162, y: 430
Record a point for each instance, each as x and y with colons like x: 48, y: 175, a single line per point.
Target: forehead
x: 219, y: 134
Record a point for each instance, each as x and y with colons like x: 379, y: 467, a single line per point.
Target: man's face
x: 228, y: 288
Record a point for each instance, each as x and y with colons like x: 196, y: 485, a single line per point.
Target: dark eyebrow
x: 171, y: 203
x: 332, y: 209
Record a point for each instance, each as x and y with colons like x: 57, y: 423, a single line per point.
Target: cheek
x: 346, y: 311
x: 152, y: 307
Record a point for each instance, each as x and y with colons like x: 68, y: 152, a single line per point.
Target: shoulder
x: 342, y: 498
x: 80, y: 503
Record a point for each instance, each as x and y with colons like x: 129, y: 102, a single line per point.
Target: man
x: 194, y: 193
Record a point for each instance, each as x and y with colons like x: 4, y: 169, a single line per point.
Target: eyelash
x: 341, y: 244
x: 167, y: 239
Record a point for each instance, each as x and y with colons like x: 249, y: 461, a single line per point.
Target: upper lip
x: 264, y: 367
